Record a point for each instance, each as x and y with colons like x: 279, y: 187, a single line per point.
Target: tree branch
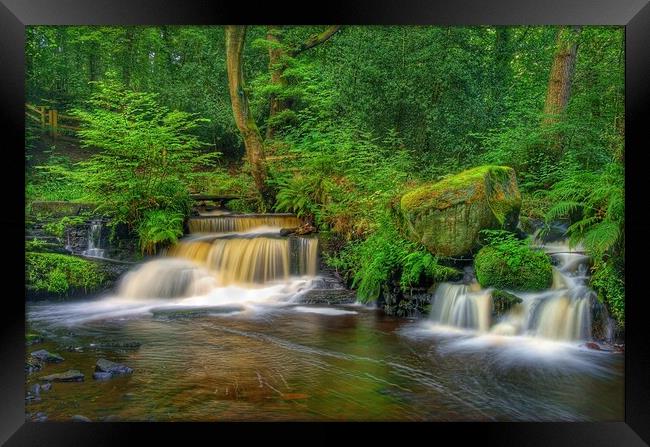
x: 316, y: 39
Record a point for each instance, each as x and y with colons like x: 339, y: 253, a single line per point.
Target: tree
x: 560, y: 79
x: 279, y: 55
x: 235, y: 37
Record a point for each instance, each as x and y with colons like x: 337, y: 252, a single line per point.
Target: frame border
x: 15, y: 14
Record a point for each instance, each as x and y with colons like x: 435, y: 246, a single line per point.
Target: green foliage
x: 608, y: 280
x: 57, y: 227
x: 61, y: 274
x: 159, y: 227
x: 508, y: 263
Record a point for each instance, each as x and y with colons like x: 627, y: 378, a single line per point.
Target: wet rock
x: 39, y: 417
x: 102, y: 375
x: 592, y: 345
x: 46, y: 387
x: 115, y: 369
x: 32, y: 365
x: 71, y: 375
x: 327, y: 296
x: 32, y: 398
x: 74, y: 349
x: 287, y: 231
x: 35, y: 389
x: 80, y: 418
x: 46, y: 356
x: 503, y: 301
x: 33, y: 339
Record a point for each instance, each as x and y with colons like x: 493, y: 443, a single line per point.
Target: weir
x: 246, y: 251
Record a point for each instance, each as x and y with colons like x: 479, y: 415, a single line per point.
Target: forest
x: 416, y: 157
x: 333, y: 123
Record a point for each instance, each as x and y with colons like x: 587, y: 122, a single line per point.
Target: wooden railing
x: 59, y: 125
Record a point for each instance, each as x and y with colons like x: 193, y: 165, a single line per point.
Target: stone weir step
x: 244, y: 216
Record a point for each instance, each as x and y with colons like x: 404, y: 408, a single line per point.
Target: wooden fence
x: 59, y: 125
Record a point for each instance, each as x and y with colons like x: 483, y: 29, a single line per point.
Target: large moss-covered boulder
x: 447, y: 216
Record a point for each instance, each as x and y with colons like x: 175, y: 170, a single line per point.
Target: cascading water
x: 562, y: 313
x: 94, y: 249
x: 241, y: 222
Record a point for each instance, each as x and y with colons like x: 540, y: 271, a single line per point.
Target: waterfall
x: 242, y: 251
x: 94, y: 240
x: 455, y: 305
x: 251, y: 260
x: 241, y: 223
x: 563, y: 312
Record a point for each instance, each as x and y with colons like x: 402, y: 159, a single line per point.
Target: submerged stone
x: 447, y: 216
x: 107, y: 366
x: 46, y: 356
x: 71, y: 375
x: 102, y: 375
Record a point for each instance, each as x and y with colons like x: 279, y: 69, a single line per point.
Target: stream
x: 217, y: 330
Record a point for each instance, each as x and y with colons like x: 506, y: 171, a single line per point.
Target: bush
x: 61, y: 274
x: 608, y: 281
x: 158, y: 228
x: 509, y: 263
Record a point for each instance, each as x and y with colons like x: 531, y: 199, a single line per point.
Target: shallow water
x: 299, y: 362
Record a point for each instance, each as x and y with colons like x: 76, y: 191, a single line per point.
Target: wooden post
x: 54, y: 122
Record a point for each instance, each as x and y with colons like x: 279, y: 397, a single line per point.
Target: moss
x: 514, y: 268
x: 61, y: 274
x: 447, y: 216
x: 503, y: 301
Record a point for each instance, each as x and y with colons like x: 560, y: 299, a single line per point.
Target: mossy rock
x: 526, y: 270
x: 503, y: 301
x: 61, y: 275
x: 447, y: 216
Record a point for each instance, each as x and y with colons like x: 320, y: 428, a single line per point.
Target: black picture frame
x: 16, y: 14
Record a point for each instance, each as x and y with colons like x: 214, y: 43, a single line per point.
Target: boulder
x: 102, y: 375
x: 526, y: 270
x: 71, y: 375
x: 447, y: 216
x: 503, y: 301
x: 115, y: 369
x: 46, y: 356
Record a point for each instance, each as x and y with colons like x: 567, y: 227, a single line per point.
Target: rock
x: 39, y: 417
x: 526, y: 269
x: 71, y: 375
x: 287, y: 231
x: 33, y: 339
x: 46, y: 386
x: 80, y: 418
x: 502, y: 301
x: 327, y: 296
x: 32, y: 364
x: 102, y: 375
x: 592, y: 345
x: 447, y: 216
x: 45, y: 356
x: 305, y: 229
x: 113, y: 368
x: 35, y: 389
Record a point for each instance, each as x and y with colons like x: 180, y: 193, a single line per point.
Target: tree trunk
x: 559, y: 83
x: 277, y: 65
x: 235, y: 36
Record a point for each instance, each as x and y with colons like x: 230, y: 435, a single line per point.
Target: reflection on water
x: 291, y: 362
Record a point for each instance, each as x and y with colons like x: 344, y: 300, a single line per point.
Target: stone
x: 46, y: 356
x: 46, y: 386
x: 80, y: 418
x: 107, y: 366
x: 592, y: 345
x: 447, y: 216
x: 71, y: 375
x: 102, y: 375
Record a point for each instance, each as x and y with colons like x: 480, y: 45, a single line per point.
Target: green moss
x: 61, y: 274
x: 467, y: 185
x: 503, y: 301
x: 447, y: 216
x: 512, y: 264
x: 608, y: 281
